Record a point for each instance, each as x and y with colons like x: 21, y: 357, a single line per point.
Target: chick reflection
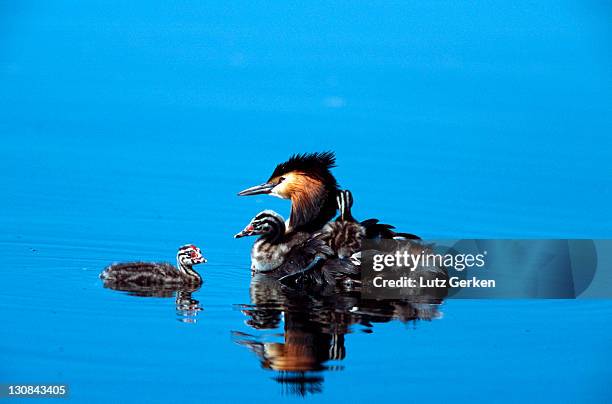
x: 314, y: 329
x: 187, y: 308
x: 161, y: 279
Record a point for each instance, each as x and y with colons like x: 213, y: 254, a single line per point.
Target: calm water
x: 128, y: 129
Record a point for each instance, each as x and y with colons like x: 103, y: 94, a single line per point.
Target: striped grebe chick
x: 277, y: 250
x: 345, y: 234
x: 296, y: 259
x: 158, y: 274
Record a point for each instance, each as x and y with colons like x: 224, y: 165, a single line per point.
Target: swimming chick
x: 151, y: 274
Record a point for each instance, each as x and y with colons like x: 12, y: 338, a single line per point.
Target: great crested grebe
x: 158, y: 274
x: 306, y: 180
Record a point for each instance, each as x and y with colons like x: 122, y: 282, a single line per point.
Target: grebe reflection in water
x: 315, y: 328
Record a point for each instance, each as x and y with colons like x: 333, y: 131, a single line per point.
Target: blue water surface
x: 128, y: 127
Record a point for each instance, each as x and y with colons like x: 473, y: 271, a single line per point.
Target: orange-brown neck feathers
x: 306, y: 179
x: 303, y: 189
x: 309, y: 198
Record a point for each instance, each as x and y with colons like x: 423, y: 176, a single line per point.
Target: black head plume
x: 315, y: 165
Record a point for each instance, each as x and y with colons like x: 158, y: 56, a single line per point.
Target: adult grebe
x: 158, y: 274
x: 306, y: 180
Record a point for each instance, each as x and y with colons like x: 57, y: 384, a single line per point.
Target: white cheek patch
x: 274, y: 192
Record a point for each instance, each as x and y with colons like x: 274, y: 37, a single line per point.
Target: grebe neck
x: 187, y: 270
x: 310, y: 211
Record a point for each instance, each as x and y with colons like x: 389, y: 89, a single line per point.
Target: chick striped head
x: 266, y: 222
x: 190, y: 254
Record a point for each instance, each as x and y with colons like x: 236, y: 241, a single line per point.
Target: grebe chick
x: 345, y: 234
x: 158, y: 274
x: 296, y: 259
x: 277, y: 251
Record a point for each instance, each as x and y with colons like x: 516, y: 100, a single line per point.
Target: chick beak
x: 246, y: 232
x: 264, y: 188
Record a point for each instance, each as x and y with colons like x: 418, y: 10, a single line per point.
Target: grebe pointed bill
x: 306, y: 180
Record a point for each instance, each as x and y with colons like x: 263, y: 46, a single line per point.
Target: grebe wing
x: 314, y: 246
x: 375, y: 229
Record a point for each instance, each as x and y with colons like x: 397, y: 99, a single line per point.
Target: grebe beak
x: 264, y: 188
x: 243, y: 233
x: 200, y: 260
x: 246, y: 232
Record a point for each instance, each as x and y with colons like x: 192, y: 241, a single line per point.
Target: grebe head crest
x: 189, y: 254
x: 267, y: 222
x: 298, y: 174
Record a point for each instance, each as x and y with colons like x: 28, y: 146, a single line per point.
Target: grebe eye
x: 281, y: 179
